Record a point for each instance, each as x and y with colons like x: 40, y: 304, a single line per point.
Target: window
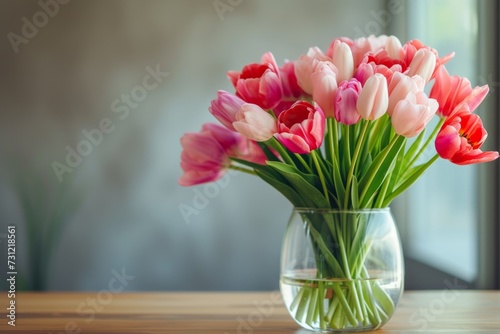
x: 440, y: 215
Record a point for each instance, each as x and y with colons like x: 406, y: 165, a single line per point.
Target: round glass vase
x: 341, y: 270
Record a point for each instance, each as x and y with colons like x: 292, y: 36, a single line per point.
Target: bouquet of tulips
x: 331, y: 130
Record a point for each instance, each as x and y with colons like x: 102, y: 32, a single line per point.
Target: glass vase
x: 341, y: 270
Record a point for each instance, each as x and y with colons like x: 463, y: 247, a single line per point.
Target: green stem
x: 321, y: 299
x: 281, y: 150
x: 359, y: 144
x: 329, y: 143
x: 427, y: 142
x: 303, y: 162
x: 345, y: 304
x: 405, y: 185
x: 372, y: 175
x: 321, y: 176
x: 347, y: 145
x: 241, y: 169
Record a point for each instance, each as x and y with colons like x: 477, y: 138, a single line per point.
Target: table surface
x: 440, y: 311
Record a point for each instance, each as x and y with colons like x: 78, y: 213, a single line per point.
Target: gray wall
x: 118, y: 210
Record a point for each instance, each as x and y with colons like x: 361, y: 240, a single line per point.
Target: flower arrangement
x: 332, y: 131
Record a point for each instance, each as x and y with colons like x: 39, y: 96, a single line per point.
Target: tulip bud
x: 400, y: 86
x: 343, y: 60
x: 259, y: 83
x: 373, y: 99
x: 423, y: 64
x: 412, y: 114
x: 225, y: 107
x: 394, y: 48
x: 324, y: 82
x: 255, y: 123
x: 346, y: 98
x: 301, y: 128
x: 304, y: 67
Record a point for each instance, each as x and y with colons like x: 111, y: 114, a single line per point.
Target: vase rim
x: 360, y: 210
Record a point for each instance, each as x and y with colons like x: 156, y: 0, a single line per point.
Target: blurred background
x: 96, y: 94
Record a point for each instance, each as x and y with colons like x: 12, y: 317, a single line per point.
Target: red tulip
x: 301, y: 128
x: 450, y: 91
x: 259, y: 84
x: 461, y: 137
x: 291, y: 88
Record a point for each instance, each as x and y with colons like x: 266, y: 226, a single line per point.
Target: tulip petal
x: 293, y: 142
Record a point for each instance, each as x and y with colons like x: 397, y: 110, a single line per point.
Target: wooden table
x: 443, y: 311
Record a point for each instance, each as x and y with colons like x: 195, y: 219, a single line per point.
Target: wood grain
x: 443, y: 311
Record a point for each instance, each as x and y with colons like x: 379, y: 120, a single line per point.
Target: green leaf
x: 418, y: 171
x: 312, y: 179
x: 354, y: 192
x: 414, y: 148
x: 307, y: 190
x: 283, y: 188
x: 332, y: 261
x: 338, y: 183
x: 250, y: 164
x: 386, y: 134
x: 380, y: 168
x: 395, y: 175
x: 269, y: 154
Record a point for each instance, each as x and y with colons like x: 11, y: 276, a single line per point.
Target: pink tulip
x: 400, y: 86
x: 205, y: 155
x: 366, y: 70
x: 304, y: 68
x: 423, y: 64
x: 384, y: 63
x: 203, y: 159
x: 373, y: 99
x: 291, y: 88
x: 450, y: 91
x: 255, y: 123
x: 227, y: 139
x: 259, y: 84
x: 411, y: 115
x: 394, y: 48
x: 301, y: 128
x: 461, y: 137
x: 361, y: 46
x: 234, y: 144
x: 363, y: 72
x: 324, y: 82
x: 346, y: 40
x: 225, y: 107
x: 343, y: 61
x: 346, y: 98
x: 410, y: 48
